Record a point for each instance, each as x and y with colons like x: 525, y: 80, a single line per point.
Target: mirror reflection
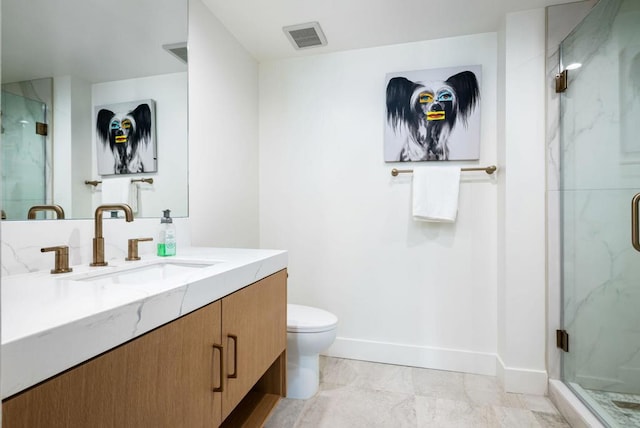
x: 89, y: 84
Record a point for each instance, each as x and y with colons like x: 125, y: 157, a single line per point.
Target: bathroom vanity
x: 193, y: 341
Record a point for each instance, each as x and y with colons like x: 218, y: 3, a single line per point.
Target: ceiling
x: 92, y: 39
x: 354, y: 24
x: 103, y: 41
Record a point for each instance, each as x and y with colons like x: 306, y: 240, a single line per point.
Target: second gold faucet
x: 31, y: 215
x: 98, y: 240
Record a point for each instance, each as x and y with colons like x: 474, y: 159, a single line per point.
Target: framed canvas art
x: 126, y: 138
x: 433, y: 115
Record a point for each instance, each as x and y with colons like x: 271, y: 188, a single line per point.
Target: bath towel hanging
x: 120, y: 191
x: 435, y: 194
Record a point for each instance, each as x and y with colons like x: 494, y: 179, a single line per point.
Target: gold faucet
x: 62, y: 258
x: 31, y: 215
x: 133, y: 248
x: 98, y: 240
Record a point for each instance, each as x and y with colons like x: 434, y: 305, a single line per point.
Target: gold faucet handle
x: 133, y: 248
x: 62, y: 258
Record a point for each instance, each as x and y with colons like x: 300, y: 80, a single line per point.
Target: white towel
x: 120, y: 191
x: 435, y: 193
x: 133, y: 196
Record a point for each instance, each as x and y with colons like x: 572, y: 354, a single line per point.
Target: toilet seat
x: 305, y: 319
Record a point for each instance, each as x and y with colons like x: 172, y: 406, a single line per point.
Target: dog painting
x: 433, y: 115
x: 125, y: 138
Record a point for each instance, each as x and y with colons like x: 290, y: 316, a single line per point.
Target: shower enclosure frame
x: 562, y: 20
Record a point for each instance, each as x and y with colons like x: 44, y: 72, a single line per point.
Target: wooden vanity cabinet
x: 254, y: 332
x: 161, y: 379
x: 167, y: 377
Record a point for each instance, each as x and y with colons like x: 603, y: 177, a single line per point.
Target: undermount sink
x: 153, y: 272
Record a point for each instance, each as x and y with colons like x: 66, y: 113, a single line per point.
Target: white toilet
x: 309, y: 332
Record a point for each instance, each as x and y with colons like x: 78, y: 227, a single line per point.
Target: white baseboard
x: 414, y: 356
x: 517, y: 380
x: 522, y: 381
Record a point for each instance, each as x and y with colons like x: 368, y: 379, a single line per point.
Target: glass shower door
x: 23, y: 155
x: 600, y: 174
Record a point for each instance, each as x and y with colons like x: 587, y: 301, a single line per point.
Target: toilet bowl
x: 309, y: 332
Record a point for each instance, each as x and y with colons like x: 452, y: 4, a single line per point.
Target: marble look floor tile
x: 481, y: 382
x: 443, y: 413
x: 338, y: 371
x: 324, y: 361
x: 357, y: 394
x: 550, y: 420
x: 509, y: 417
x: 438, y: 384
x: 538, y: 403
x: 479, y: 397
x: 367, y: 375
x: 286, y: 414
x: 346, y: 406
x: 624, y: 417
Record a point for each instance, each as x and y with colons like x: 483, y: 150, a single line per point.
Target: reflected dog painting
x: 433, y: 115
x: 125, y: 138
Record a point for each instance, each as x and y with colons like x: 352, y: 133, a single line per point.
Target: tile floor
x: 623, y: 417
x: 356, y: 394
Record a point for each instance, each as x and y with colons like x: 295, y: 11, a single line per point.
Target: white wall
x: 62, y: 143
x: 501, y: 154
x: 417, y: 294
x: 223, y: 135
x: 169, y: 91
x: 82, y: 163
x: 522, y: 230
x: 421, y: 294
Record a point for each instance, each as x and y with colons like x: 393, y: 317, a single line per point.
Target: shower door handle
x: 635, y: 239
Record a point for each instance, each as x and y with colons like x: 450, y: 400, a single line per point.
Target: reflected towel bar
x: 488, y: 169
x: 133, y: 180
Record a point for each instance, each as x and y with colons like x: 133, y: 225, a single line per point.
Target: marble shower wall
x: 598, y: 176
x: 27, y: 173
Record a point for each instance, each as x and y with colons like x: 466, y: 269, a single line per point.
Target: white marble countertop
x: 51, y: 323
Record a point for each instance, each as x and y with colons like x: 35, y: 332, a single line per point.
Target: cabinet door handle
x: 635, y: 240
x: 221, y: 387
x: 235, y: 356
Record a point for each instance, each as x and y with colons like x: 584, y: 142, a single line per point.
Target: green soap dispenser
x: 167, y: 235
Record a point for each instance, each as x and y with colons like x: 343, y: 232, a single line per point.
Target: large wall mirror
x: 94, y: 91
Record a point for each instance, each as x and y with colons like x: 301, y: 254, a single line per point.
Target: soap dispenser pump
x: 167, y: 236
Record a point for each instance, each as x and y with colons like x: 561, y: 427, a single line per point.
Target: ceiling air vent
x: 304, y: 36
x: 179, y: 50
